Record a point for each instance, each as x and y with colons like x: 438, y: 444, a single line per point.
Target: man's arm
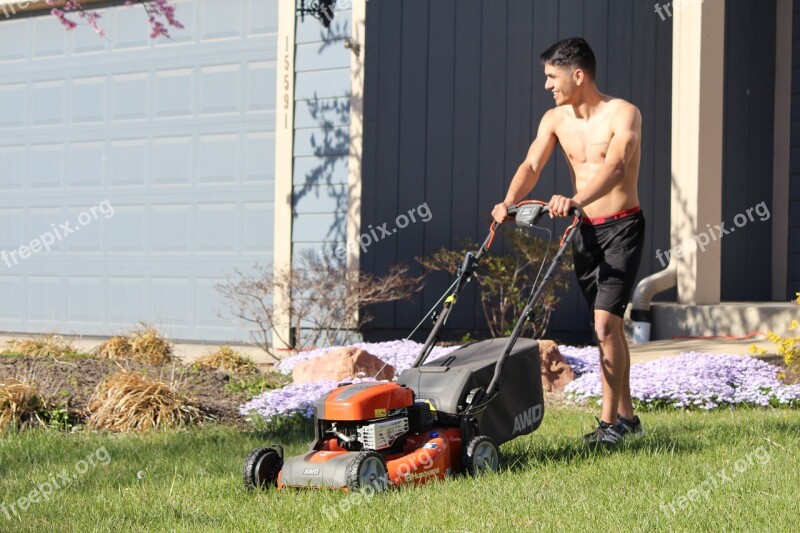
x: 627, y: 127
x: 528, y: 173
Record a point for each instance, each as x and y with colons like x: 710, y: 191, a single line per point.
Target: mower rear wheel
x: 261, y: 468
x: 480, y: 456
x: 367, y: 470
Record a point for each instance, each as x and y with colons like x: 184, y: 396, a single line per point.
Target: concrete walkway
x: 639, y: 352
x: 648, y: 351
x: 187, y: 352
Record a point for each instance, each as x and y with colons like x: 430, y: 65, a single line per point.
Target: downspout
x: 644, y: 292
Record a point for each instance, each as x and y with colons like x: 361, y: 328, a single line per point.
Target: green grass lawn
x: 191, y: 481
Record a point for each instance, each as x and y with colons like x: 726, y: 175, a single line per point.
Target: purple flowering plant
x: 688, y: 381
x: 297, y: 399
x: 692, y: 381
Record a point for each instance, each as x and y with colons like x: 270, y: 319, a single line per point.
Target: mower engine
x: 365, y: 416
x: 368, y: 435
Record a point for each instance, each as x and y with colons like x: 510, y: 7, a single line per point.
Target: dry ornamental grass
x: 141, y: 344
x: 45, y: 345
x: 226, y: 358
x: 20, y: 404
x: 131, y: 401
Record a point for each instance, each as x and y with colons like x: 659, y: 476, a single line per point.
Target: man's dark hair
x: 572, y: 52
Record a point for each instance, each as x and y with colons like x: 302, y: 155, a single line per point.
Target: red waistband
x: 611, y: 218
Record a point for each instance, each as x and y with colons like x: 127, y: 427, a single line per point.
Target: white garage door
x: 175, y: 138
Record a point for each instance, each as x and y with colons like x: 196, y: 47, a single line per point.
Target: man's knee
x: 607, y: 326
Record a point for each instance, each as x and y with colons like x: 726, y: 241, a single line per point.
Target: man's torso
x: 585, y: 144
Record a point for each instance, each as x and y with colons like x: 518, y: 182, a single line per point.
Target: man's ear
x: 579, y: 76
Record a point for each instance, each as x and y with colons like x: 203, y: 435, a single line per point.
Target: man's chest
x: 584, y: 143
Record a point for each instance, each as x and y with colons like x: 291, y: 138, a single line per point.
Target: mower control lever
x: 527, y: 215
x: 469, y: 264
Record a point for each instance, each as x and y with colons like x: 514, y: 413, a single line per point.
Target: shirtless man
x: 600, y: 137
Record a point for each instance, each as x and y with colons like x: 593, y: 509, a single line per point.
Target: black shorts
x: 606, y: 258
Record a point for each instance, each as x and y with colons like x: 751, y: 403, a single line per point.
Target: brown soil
x: 69, y: 382
x: 791, y: 375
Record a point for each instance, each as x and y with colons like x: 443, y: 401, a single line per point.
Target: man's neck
x: 589, y: 104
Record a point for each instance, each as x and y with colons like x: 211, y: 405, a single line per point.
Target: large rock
x: 556, y: 372
x: 340, y: 364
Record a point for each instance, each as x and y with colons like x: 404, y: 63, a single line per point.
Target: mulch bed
x: 70, y: 382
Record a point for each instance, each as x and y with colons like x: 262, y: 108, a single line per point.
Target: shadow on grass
x: 284, y: 431
x: 576, y: 451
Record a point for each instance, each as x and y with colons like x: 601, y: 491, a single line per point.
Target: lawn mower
x: 438, y: 418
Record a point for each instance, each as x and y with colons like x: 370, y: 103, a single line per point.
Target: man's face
x: 560, y: 82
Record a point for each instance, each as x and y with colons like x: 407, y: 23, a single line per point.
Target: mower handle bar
x: 526, y: 215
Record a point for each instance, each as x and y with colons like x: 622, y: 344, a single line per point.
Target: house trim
x: 284, y: 159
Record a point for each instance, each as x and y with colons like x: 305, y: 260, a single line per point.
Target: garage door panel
x: 130, y: 95
x: 219, y: 158
x: 186, y: 11
x: 11, y: 224
x: 45, y: 166
x: 126, y: 231
x: 80, y: 232
x: 260, y: 157
x: 12, y: 161
x: 86, y: 164
x: 126, y: 300
x: 208, y: 305
x: 260, y: 21
x: 260, y: 75
x: 13, y: 115
x: 220, y: 89
x: 49, y: 38
x: 170, y: 229
x: 13, y: 35
x: 44, y: 220
x: 13, y: 309
x: 175, y: 92
x: 84, y: 300
x: 88, y: 99
x: 215, y: 223
x: 222, y: 20
x: 171, y: 297
x: 47, y: 103
x: 257, y: 237
x: 87, y: 43
x: 45, y: 298
x: 128, y: 162
x: 172, y: 160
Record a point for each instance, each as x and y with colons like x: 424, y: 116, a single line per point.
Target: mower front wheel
x: 367, y: 470
x: 262, y: 466
x: 480, y: 456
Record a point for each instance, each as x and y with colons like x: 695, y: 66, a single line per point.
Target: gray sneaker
x: 604, y: 434
x: 630, y: 427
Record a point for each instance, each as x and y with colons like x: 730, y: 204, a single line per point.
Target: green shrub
x: 505, y: 281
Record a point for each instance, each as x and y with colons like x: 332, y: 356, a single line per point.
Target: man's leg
x: 625, y: 407
x: 614, y: 365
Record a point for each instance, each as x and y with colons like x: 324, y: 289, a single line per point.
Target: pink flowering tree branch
x: 160, y: 15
